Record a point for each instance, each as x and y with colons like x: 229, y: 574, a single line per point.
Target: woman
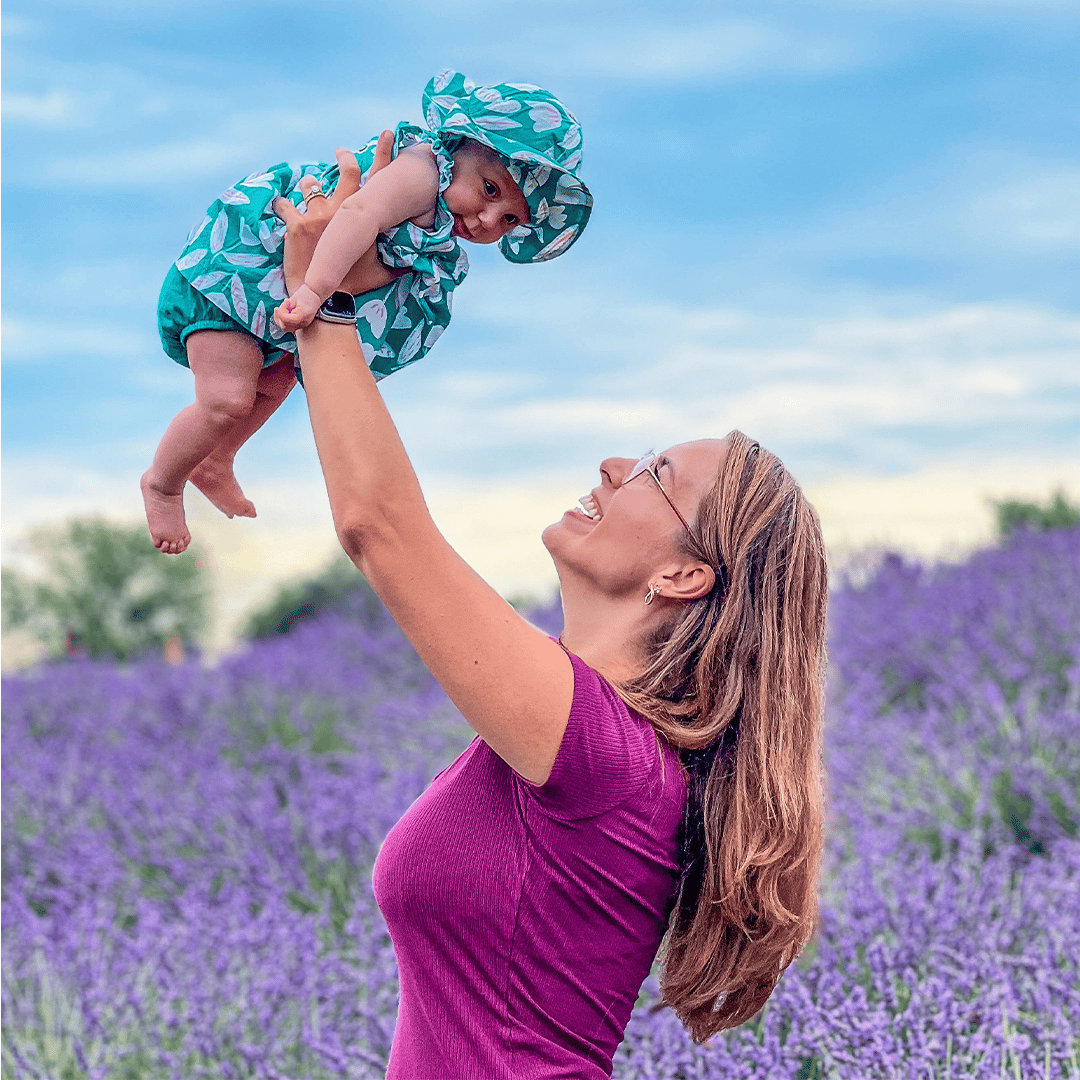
x: 654, y: 772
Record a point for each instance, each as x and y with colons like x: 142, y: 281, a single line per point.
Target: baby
x: 497, y: 164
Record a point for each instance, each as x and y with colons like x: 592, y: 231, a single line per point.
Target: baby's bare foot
x: 217, y: 482
x: 165, y: 517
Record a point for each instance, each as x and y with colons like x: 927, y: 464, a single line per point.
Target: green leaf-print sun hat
x: 540, y: 141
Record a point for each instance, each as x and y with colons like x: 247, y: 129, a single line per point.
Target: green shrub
x: 339, y: 584
x: 1013, y: 514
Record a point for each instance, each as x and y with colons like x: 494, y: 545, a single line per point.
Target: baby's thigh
x: 277, y: 380
x: 226, y: 365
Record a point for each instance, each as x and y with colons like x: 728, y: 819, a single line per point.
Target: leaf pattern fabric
x: 234, y: 258
x: 539, y: 139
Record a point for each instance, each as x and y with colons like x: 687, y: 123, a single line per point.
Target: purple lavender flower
x: 187, y: 852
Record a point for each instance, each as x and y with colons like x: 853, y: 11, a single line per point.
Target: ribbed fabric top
x: 525, y: 918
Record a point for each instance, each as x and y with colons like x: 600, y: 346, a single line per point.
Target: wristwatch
x: 339, y: 308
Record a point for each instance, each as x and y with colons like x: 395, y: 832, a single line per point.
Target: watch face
x: 340, y: 304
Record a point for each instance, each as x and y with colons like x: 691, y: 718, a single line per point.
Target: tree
x: 338, y: 585
x: 106, y: 590
x: 1013, y: 514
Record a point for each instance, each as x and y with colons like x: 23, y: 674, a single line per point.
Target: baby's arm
x: 406, y: 188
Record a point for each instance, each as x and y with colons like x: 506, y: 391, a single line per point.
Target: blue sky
x: 850, y: 228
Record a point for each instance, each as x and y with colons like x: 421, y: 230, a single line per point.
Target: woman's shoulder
x: 609, y: 754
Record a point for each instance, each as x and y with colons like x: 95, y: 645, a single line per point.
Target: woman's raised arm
x: 512, y: 683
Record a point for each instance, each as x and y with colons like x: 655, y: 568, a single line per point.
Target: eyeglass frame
x: 646, y: 464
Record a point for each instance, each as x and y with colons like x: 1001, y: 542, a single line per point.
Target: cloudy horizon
x: 847, y: 229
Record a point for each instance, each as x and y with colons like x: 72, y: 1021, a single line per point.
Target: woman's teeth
x: 590, y: 507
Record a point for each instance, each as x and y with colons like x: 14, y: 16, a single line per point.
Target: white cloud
x: 202, y: 128
x: 974, y: 201
x: 979, y: 7
x: 27, y: 340
x: 940, y: 511
x: 714, y: 48
x: 237, y: 143
x: 1037, y: 212
x: 53, y: 108
x: 811, y: 384
x: 17, y: 26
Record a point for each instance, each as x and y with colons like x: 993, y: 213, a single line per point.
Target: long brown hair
x: 736, y: 683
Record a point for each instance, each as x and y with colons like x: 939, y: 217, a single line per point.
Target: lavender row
x: 187, y: 852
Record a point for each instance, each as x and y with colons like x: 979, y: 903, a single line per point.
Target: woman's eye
x: 490, y: 188
x: 511, y: 219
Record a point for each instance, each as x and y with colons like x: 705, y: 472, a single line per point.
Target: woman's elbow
x: 354, y: 536
x: 362, y: 537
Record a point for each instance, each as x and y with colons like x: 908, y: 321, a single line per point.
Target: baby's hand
x: 298, y: 311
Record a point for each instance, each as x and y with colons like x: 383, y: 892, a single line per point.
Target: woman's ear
x: 689, y: 581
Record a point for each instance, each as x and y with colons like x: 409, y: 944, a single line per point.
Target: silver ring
x: 315, y: 193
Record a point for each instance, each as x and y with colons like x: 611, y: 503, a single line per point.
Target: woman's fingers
x: 305, y: 225
x: 349, y: 172
x: 348, y: 182
x: 384, y: 152
x: 291, y: 214
x: 348, y: 177
x: 285, y: 210
x: 312, y: 190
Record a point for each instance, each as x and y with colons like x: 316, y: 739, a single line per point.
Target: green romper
x: 230, y: 274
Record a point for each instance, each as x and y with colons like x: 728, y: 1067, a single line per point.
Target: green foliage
x: 106, y: 590
x: 1013, y: 514
x: 338, y: 584
x: 1015, y: 808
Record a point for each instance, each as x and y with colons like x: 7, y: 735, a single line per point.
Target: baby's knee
x: 225, y: 405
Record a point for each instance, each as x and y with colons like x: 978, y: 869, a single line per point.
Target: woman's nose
x: 613, y: 469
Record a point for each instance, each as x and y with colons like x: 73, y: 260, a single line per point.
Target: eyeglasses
x: 648, y: 465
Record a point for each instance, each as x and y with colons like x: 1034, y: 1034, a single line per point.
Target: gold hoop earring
x: 654, y: 591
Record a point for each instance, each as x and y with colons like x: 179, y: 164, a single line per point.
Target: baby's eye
x: 491, y: 189
x: 511, y: 219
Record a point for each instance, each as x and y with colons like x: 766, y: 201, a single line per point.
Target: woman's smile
x: 591, y: 507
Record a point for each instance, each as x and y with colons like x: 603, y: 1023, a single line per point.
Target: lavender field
x: 187, y: 852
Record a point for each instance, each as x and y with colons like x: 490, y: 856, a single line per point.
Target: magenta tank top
x: 525, y: 918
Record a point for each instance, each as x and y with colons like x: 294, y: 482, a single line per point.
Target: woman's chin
x: 563, y: 542
x: 556, y: 535
x: 550, y: 537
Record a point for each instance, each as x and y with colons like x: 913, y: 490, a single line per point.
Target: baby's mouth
x: 460, y: 230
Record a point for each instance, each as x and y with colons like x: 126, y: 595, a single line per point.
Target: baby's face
x: 482, y: 196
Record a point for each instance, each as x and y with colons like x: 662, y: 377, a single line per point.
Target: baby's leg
x: 226, y: 366
x: 214, y: 476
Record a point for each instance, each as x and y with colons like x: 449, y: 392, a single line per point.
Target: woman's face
x: 633, y: 531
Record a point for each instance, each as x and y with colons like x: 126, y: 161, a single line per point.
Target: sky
x: 848, y: 228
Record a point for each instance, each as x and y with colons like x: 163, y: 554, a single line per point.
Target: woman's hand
x: 303, y: 229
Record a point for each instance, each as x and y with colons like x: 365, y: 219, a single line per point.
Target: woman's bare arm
x: 512, y: 683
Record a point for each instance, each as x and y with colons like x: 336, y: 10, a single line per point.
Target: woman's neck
x: 604, y: 632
